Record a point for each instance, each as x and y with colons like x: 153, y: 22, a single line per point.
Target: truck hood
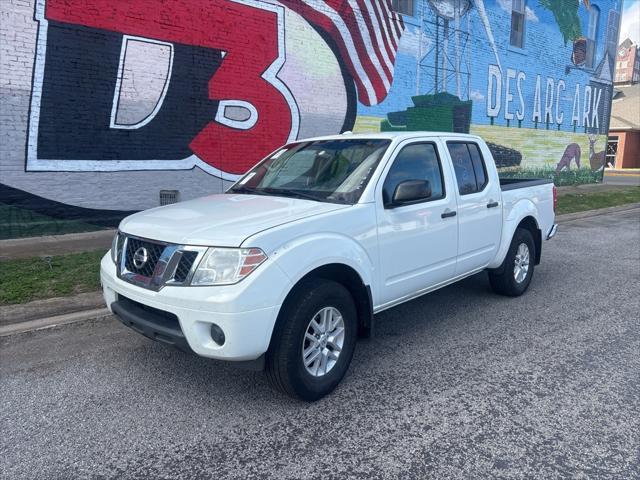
x: 224, y: 220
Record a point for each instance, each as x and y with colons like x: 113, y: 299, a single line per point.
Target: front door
x: 418, y: 240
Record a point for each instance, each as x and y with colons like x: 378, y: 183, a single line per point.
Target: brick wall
x: 627, y: 67
x: 628, y: 154
x: 105, y: 104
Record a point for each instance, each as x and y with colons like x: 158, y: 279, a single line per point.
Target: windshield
x: 324, y: 170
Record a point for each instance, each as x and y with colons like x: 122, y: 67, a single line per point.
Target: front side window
x: 518, y: 15
x: 592, y: 33
x: 324, y: 170
x: 404, y: 7
x: 469, y: 167
x: 418, y: 161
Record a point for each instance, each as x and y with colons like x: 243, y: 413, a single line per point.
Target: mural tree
x: 565, y: 13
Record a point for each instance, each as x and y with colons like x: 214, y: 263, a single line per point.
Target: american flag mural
x: 365, y: 32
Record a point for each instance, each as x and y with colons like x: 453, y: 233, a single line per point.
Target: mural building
x: 111, y: 106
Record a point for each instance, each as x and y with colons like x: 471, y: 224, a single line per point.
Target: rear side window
x: 418, y: 161
x: 469, y: 166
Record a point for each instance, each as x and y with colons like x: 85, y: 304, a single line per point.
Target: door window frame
x: 393, y: 161
x: 484, y: 166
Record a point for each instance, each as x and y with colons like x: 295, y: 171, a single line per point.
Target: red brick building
x: 623, y: 150
x: 627, y: 63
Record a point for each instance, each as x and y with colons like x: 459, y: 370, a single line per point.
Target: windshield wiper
x: 292, y: 193
x: 242, y: 189
x: 285, y: 192
x: 298, y: 194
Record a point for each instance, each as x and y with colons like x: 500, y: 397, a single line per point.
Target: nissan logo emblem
x: 140, y: 258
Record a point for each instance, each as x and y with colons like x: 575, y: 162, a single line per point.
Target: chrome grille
x: 184, y: 266
x: 153, y: 252
x: 152, y: 265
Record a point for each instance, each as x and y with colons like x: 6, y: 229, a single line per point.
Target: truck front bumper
x: 183, y: 316
x: 155, y: 324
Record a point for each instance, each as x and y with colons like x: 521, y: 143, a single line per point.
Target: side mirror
x: 411, y: 191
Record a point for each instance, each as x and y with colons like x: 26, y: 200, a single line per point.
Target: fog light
x: 217, y: 334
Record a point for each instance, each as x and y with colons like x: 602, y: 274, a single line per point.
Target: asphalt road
x: 458, y: 384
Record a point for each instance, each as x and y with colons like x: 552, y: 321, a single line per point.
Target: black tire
x: 503, y: 279
x: 284, y: 367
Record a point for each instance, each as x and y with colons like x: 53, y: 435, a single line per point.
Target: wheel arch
x: 523, y: 214
x: 531, y: 224
x: 349, y: 278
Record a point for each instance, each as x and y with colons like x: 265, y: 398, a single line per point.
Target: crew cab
x: 287, y: 268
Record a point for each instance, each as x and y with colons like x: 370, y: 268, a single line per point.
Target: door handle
x: 451, y: 213
x: 492, y: 204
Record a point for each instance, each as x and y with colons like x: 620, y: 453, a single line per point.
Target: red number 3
x: 250, y: 36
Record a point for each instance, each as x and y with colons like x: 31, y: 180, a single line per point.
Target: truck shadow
x: 420, y: 320
x: 436, y: 306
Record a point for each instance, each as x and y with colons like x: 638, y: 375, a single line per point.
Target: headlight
x: 116, y: 247
x: 225, y: 266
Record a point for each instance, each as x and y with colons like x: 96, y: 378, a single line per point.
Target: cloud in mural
x: 476, y: 95
x: 506, y: 6
x: 410, y: 42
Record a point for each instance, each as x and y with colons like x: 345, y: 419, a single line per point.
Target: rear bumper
x: 552, y: 231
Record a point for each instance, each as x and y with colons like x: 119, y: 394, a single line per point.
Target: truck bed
x: 514, y: 183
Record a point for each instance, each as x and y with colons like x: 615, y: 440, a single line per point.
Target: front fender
x: 518, y: 211
x: 304, y: 254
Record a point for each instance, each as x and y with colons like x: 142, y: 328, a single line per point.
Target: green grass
x: 30, y: 279
x: 18, y: 223
x: 564, y: 178
x: 572, y: 202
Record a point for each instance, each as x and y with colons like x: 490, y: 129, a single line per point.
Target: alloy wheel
x: 323, y: 341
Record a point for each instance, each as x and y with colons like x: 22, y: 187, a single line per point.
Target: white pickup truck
x: 288, y: 267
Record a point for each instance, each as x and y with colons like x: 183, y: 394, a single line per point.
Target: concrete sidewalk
x: 55, y: 244
x: 591, y: 188
x: 629, y: 177
x: 622, y: 171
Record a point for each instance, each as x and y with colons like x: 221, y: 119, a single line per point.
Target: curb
x: 51, y: 322
x: 50, y: 307
x: 568, y: 217
x: 103, y: 313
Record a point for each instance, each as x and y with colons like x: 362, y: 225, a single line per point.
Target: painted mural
x: 210, y: 91
x: 110, y: 103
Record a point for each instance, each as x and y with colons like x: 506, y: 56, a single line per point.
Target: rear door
x: 417, y: 241
x: 479, y: 208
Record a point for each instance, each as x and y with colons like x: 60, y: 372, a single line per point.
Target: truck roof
x: 394, y: 135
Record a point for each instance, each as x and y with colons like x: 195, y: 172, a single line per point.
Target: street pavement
x: 457, y: 384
